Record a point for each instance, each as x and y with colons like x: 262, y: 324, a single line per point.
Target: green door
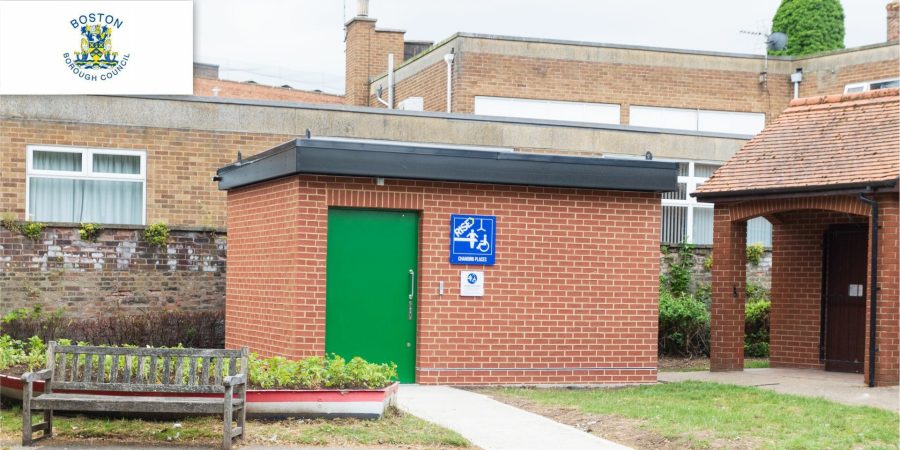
x: 370, y: 308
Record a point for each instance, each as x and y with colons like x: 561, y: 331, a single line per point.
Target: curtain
x: 703, y: 226
x: 99, y: 201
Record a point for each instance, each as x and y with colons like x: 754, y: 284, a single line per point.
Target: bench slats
x: 191, y: 380
x: 179, y: 371
x: 88, y: 365
x: 85, y: 402
x: 166, y: 362
x: 128, y: 364
x: 218, y: 370
x: 147, y: 351
x: 204, y: 372
x: 132, y: 387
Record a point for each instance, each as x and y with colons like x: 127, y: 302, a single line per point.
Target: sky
x: 301, y: 42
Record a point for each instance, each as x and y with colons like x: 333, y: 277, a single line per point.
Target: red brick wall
x: 887, y: 364
x: 204, y: 87
x: 797, y: 285
x: 572, y: 298
x: 798, y: 228
x: 729, y: 278
x: 366, y: 56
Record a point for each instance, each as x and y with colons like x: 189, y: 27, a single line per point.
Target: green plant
x: 756, y: 328
x: 89, y: 231
x: 756, y: 292
x: 317, y: 372
x: 157, y: 234
x: 683, y: 325
x: 32, y: 230
x: 755, y: 253
x: 811, y: 26
x: 708, y: 263
x: 8, y: 221
x: 679, y: 277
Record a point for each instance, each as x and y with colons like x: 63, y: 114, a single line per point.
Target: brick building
x: 825, y: 173
x: 612, y: 84
x: 341, y: 246
x: 161, y: 152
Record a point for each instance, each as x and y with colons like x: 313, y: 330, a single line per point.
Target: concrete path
x: 493, y: 425
x: 847, y: 388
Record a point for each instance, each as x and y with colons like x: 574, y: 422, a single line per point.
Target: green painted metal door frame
x: 371, y: 286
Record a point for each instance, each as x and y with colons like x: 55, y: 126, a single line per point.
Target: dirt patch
x: 669, y: 364
x: 631, y: 432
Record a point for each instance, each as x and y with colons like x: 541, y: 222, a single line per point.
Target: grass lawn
x: 395, y: 429
x: 702, y: 415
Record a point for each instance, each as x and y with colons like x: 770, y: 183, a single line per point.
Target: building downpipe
x: 873, y: 289
x: 448, y: 58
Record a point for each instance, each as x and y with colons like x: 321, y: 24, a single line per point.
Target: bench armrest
x: 234, y: 380
x: 45, y: 374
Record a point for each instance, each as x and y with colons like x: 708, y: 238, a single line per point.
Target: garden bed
x: 308, y: 403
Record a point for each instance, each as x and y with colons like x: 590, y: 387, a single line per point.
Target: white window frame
x: 865, y: 85
x: 87, y: 171
x: 691, y: 182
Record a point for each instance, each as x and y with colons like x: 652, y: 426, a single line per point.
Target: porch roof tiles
x: 818, y: 143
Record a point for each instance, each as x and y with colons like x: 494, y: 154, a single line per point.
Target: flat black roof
x: 407, y: 160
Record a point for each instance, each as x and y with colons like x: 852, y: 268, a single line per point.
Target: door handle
x: 412, y: 290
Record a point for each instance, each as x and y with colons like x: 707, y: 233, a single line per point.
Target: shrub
x: 32, y: 230
x: 756, y: 292
x: 756, y: 328
x: 683, y: 326
x: 157, y: 234
x: 755, y: 253
x: 89, y: 231
x: 679, y: 276
x: 202, y: 329
x: 317, y: 372
x: 32, y: 353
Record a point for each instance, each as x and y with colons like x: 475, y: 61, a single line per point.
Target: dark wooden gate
x: 844, y: 298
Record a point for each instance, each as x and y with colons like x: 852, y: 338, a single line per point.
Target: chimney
x: 366, y: 54
x: 893, y: 21
x: 362, y: 8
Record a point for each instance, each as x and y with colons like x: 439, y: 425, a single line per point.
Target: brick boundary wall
x: 573, y: 297
x: 119, y: 273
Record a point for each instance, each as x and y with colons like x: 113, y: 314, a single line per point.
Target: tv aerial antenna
x: 774, y: 42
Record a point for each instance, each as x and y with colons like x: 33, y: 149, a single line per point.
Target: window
x: 68, y: 184
x: 697, y: 119
x: 547, y: 109
x: 871, y: 85
x: 684, y: 218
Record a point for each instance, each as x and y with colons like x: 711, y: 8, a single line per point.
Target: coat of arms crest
x: 96, y: 48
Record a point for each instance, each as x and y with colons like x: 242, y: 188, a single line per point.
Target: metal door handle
x: 412, y: 290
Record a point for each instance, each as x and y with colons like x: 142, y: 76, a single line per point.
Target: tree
x: 811, y: 26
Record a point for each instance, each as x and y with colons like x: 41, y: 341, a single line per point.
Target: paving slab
x: 846, y: 388
x: 493, y: 425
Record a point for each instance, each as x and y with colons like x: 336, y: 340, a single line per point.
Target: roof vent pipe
x: 362, y: 8
x: 796, y: 78
x: 448, y: 58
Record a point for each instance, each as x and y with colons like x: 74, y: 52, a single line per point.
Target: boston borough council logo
x: 96, y: 59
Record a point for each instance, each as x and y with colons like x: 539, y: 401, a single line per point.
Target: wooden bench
x: 185, y: 380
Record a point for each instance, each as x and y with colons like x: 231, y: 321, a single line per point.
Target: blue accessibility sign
x: 472, y: 239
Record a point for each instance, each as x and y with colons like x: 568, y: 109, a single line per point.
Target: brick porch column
x: 729, y: 276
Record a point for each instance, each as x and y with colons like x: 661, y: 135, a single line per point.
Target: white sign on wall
x: 471, y: 283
